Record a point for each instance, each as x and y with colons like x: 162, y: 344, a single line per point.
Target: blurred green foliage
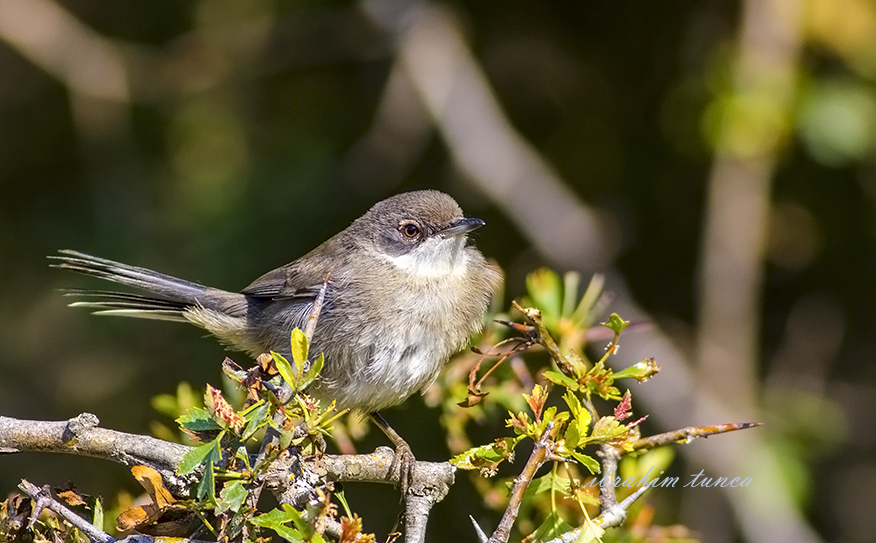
x: 245, y: 144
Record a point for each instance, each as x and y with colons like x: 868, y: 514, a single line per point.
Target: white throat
x: 436, y: 257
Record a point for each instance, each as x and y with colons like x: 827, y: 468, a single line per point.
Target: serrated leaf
x: 276, y: 519
x: 231, y: 497
x: 552, y: 526
x: 587, y: 461
x: 207, y: 485
x: 578, y: 427
x: 197, y: 419
x: 208, y: 452
x: 606, y: 429
x: 300, y: 347
x: 547, y: 482
x: 220, y: 410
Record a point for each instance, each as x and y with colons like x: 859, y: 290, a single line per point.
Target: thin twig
x: 541, y: 453
x: 688, y: 434
x: 533, y: 316
x: 44, y: 500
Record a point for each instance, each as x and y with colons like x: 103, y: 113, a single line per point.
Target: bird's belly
x: 389, y: 376
x: 387, y: 358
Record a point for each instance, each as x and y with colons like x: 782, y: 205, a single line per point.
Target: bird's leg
x: 403, y: 463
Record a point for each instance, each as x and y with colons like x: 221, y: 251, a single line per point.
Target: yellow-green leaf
x: 300, y: 346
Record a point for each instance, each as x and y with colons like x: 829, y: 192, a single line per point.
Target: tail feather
x: 128, y: 305
x: 172, y: 296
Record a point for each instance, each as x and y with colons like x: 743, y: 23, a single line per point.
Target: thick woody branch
x: 81, y: 436
x: 431, y: 482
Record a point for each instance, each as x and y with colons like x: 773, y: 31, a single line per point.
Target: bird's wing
x: 284, y: 283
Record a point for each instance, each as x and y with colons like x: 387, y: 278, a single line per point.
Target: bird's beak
x: 461, y: 226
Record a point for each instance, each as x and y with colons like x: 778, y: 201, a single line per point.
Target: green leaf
x: 285, y: 370
x: 587, y: 461
x: 552, y: 526
x: 276, y: 520
x: 486, y: 456
x: 547, y: 482
x: 255, y: 417
x: 197, y: 419
x: 584, y: 314
x: 539, y: 485
x: 207, y: 485
x: 208, y: 452
x: 166, y: 404
x: 571, y: 283
x: 243, y: 455
x: 272, y: 518
x: 562, y: 379
x: 641, y: 372
x: 97, y: 518
x: 286, y: 437
x: 232, y: 497
x: 606, y: 429
x: 313, y: 372
x: 615, y: 323
x: 589, y: 532
x: 546, y: 290
x: 577, y: 429
x: 300, y: 346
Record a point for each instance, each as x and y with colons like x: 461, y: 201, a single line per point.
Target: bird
x: 404, y: 289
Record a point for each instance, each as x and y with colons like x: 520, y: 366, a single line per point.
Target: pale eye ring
x: 409, y: 230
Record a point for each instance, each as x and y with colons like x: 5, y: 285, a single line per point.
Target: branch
x: 81, y: 436
x: 294, y: 481
x: 543, y: 337
x: 44, y: 500
x: 687, y: 434
x: 541, y: 453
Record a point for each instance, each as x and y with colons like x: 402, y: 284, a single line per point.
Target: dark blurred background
x: 715, y: 159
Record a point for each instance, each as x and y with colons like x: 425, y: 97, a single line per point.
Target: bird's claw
x: 402, y: 468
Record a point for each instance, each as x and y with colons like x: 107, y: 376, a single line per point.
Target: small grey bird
x: 405, y: 292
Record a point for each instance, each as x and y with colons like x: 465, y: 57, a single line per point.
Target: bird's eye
x: 410, y: 230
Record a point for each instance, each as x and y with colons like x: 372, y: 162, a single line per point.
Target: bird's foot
x: 402, y: 468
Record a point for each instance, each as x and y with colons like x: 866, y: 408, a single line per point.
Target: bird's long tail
x: 172, y: 296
